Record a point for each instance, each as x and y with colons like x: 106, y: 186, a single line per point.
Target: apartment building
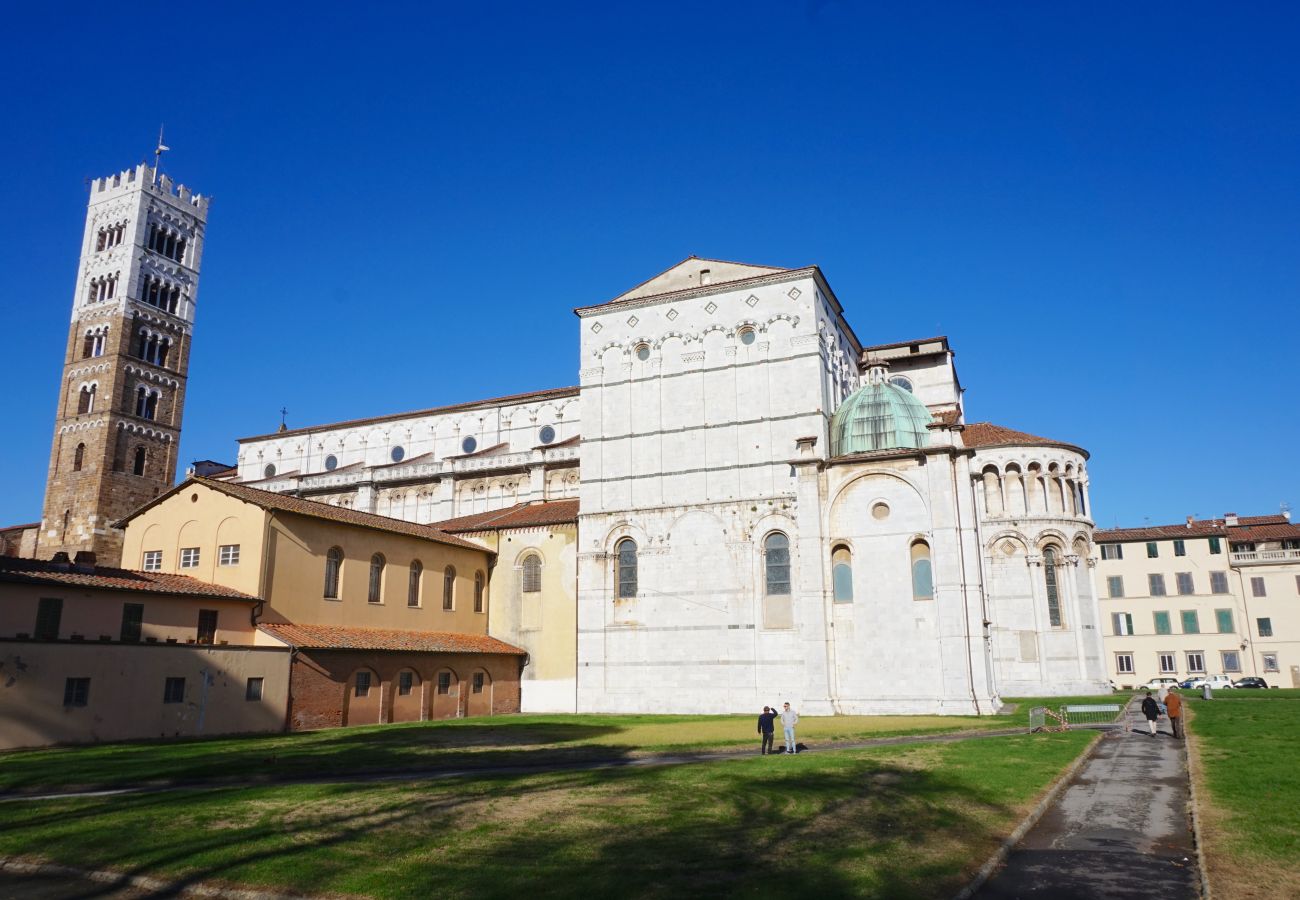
x: 1207, y: 596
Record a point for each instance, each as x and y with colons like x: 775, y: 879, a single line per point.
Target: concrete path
x: 1119, y: 830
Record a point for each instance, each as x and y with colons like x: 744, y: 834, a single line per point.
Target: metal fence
x: 1042, y: 718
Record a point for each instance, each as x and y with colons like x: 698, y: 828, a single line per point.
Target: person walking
x: 789, y: 719
x: 766, y: 728
x: 1151, y: 709
x: 1174, y: 704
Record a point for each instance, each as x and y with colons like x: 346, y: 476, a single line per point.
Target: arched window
x: 842, y: 574
x: 532, y: 573
x: 79, y: 458
x: 479, y: 582
x: 88, y: 348
x: 449, y: 588
x: 333, y: 565
x: 776, y: 561
x: 86, y: 399
x: 922, y: 572
x: 138, y: 465
x: 413, y: 585
x: 1053, y: 592
x: 625, y: 551
x: 376, y: 578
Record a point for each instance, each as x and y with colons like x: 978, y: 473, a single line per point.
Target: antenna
x: 157, y: 154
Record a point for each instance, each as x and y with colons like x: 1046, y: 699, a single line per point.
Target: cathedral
x: 741, y: 503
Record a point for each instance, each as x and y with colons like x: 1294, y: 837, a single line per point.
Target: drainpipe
x: 965, y: 596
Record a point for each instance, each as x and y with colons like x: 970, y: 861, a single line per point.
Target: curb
x: 999, y: 855
x: 1194, y: 754
x: 144, y: 882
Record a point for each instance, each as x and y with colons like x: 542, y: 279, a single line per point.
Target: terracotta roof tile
x: 521, y: 515
x: 286, y: 503
x: 340, y: 637
x: 1279, y: 531
x: 1248, y: 528
x: 986, y: 434
x: 18, y: 570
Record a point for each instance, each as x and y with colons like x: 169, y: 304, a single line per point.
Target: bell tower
x: 118, y: 420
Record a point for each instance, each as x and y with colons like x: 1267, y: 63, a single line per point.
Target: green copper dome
x: 879, y: 416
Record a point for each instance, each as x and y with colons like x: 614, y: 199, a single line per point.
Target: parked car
x: 1186, y: 683
x: 1216, y: 682
x: 1250, y: 682
x: 1156, y: 684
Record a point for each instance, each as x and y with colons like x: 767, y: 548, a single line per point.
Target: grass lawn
x: 899, y: 821
x: 1244, y: 746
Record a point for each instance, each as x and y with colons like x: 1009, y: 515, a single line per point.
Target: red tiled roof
x: 521, y: 515
x: 1278, y: 531
x: 286, y: 503
x: 986, y: 434
x: 455, y: 407
x: 340, y: 637
x: 19, y: 570
x: 1248, y: 528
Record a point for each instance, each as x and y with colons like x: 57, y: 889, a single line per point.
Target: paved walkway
x: 1119, y: 830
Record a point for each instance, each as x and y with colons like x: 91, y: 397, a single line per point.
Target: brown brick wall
x: 322, y: 682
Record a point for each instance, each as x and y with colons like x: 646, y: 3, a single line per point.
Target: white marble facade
x: 704, y: 408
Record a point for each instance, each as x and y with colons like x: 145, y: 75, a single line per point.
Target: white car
x: 1216, y: 682
x: 1156, y: 684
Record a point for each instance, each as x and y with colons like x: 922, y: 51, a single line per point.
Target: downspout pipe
x: 965, y: 593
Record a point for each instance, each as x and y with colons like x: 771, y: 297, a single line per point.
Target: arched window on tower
x: 137, y: 466
x: 842, y: 574
x: 413, y: 585
x: 922, y: 572
x: 776, y: 564
x: 373, y: 594
x: 333, y: 568
x: 532, y: 575
x: 79, y: 458
x: 86, y: 399
x: 625, y: 552
x: 1053, y: 590
x: 88, y: 347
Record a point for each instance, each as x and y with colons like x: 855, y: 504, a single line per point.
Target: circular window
x: 397, y: 454
x: 468, y: 445
x: 747, y: 336
x: 643, y: 352
x: 331, y: 463
x: 269, y: 471
x: 547, y: 434
x: 900, y: 381
x: 880, y: 511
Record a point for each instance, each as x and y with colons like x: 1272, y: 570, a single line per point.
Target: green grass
x: 494, y: 741
x: 899, y: 821
x: 1249, y: 786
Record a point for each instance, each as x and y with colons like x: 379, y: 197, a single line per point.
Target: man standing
x: 1151, y: 709
x: 789, y: 718
x: 1174, y: 708
x: 766, y: 728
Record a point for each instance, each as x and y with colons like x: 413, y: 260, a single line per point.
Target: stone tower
x: 118, y: 421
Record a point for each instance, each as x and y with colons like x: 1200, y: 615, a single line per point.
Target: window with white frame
x: 1195, y: 662
x: 1112, y: 551
x: 1124, y: 663
x: 1121, y: 623
x: 228, y: 555
x: 1270, y: 662
x: 1168, y: 663
x: 532, y: 573
x: 189, y: 557
x: 1231, y: 660
x: 152, y: 561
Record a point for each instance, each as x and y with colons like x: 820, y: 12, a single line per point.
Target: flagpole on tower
x: 157, y: 154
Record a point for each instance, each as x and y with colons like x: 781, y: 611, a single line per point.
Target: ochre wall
x: 126, y: 691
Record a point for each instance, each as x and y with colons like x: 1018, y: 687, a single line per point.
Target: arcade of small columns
x: 1032, y: 490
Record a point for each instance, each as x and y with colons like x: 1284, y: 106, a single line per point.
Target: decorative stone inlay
x: 751, y: 300
x: 794, y: 293
x: 595, y: 327
x: 671, y: 314
x: 632, y: 321
x: 711, y: 307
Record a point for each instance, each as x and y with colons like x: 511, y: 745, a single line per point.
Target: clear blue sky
x: 1097, y: 203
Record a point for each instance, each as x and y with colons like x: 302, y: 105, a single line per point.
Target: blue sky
x: 1097, y: 203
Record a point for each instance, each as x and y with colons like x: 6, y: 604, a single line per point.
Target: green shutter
x: 1190, y: 623
x: 1162, y: 623
x: 1224, y: 618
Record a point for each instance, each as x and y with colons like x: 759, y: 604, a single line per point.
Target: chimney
x: 60, y: 561
x: 1190, y: 519
x: 1230, y: 519
x: 84, y: 561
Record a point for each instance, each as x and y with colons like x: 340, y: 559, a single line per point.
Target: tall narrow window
x: 333, y: 563
x: 207, y: 631
x: 137, y: 466
x: 1162, y: 623
x: 479, y: 583
x: 842, y: 574
x: 1215, y: 545
x: 76, y: 691
x: 49, y: 611
x: 532, y: 575
x: 1153, y: 550
x: 922, y: 572
x: 776, y: 563
x: 1180, y: 548
x: 413, y: 584
x: 1053, y: 594
x: 174, y: 690
x: 1223, y: 618
x: 376, y: 578
x: 625, y: 551
x: 79, y: 458
x: 1218, y: 582
x: 449, y: 588
x: 132, y: 622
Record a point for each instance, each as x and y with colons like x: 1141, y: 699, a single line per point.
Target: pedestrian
x: 789, y: 719
x: 1174, y: 703
x: 1151, y: 709
x: 766, y: 728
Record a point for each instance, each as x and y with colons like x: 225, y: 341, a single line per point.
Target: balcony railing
x: 1264, y: 557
